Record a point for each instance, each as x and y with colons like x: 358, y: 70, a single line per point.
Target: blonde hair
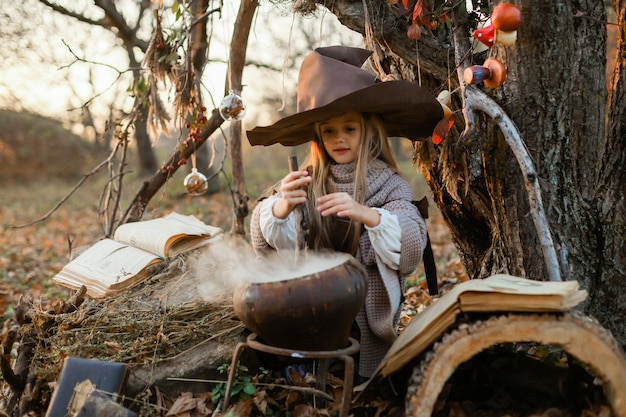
x: 374, y: 145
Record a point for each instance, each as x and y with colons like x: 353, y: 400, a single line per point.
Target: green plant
x: 242, y: 385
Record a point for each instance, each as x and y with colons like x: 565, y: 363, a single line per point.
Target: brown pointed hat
x: 331, y: 83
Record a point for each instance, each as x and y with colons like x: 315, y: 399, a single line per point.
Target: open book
x: 498, y: 293
x: 111, y: 266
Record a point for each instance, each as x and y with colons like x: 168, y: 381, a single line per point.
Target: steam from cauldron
x: 223, y: 265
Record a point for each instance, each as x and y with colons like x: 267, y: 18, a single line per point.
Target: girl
x: 351, y: 196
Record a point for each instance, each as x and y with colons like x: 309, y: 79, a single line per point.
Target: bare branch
x: 66, y: 12
x: 236, y: 62
x: 477, y: 100
x: 204, y: 16
x: 79, y: 59
x: 113, y: 18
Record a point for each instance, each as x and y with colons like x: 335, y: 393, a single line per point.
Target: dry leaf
x: 260, y: 400
x: 242, y: 408
x: 185, y: 402
x: 292, y: 398
x: 442, y: 129
x: 305, y: 410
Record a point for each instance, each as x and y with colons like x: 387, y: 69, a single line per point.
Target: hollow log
x: 580, y: 336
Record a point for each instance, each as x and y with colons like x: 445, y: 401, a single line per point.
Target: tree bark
x: 205, y: 155
x: 608, y: 297
x: 555, y: 94
x: 236, y: 63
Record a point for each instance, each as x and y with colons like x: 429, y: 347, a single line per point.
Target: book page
x: 158, y: 235
x: 104, y: 265
x: 510, y: 293
x: 423, y: 330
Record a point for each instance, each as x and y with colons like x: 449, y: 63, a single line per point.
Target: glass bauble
x: 232, y: 107
x: 196, y: 182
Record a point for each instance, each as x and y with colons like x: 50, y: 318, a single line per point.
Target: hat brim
x: 406, y: 109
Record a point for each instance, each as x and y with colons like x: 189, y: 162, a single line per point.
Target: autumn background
x: 38, y: 177
x: 64, y: 93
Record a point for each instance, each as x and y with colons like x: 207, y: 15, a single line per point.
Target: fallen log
x: 579, y: 336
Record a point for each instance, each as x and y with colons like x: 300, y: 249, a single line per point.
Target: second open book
x: 111, y: 266
x: 498, y: 293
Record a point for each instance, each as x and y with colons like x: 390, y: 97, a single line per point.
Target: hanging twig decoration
x: 158, y: 62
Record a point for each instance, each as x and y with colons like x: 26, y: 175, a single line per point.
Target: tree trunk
x: 145, y: 152
x: 555, y: 94
x: 608, y: 301
x: 236, y: 63
x: 199, y: 47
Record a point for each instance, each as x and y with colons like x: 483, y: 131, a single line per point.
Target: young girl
x: 351, y: 196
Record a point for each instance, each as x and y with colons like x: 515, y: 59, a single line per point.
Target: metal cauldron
x: 313, y: 311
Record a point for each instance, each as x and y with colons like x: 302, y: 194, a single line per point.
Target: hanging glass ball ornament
x: 196, y: 182
x: 232, y: 107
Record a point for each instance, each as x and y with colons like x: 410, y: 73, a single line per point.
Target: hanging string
x: 226, y: 50
x: 417, y: 60
x: 287, y: 53
x: 448, y: 65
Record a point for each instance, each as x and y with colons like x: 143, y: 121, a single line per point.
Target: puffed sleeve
x: 386, y: 238
x: 278, y: 233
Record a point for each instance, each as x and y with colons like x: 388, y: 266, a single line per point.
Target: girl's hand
x: 343, y: 205
x: 292, y: 193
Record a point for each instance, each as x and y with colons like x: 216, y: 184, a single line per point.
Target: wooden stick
x: 293, y: 166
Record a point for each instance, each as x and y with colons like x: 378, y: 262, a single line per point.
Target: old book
x: 498, y: 293
x: 108, y: 377
x: 98, y: 404
x: 111, y: 266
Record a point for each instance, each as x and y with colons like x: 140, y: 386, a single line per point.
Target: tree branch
x: 236, y: 63
x: 477, y: 100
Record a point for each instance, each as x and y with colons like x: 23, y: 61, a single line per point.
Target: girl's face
x: 341, y: 137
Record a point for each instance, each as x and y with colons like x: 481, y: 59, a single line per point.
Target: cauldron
x: 312, y: 311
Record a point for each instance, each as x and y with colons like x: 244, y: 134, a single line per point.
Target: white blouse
x: 281, y: 233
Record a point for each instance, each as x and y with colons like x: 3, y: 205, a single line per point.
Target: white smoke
x: 230, y: 261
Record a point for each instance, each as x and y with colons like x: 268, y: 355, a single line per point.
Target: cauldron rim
x: 339, y: 258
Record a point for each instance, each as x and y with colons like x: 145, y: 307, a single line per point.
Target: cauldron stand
x: 322, y: 372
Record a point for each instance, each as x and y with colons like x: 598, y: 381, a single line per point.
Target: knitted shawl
x: 378, y: 318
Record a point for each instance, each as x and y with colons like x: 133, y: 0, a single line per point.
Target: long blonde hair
x: 374, y: 145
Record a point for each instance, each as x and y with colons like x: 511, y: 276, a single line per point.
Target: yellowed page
x: 105, y: 264
x: 157, y: 235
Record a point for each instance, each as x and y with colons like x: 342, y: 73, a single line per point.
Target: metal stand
x: 322, y: 373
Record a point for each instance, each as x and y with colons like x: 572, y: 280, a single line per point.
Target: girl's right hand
x: 292, y: 193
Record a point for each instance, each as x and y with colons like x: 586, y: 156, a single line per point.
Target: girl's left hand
x: 343, y: 205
